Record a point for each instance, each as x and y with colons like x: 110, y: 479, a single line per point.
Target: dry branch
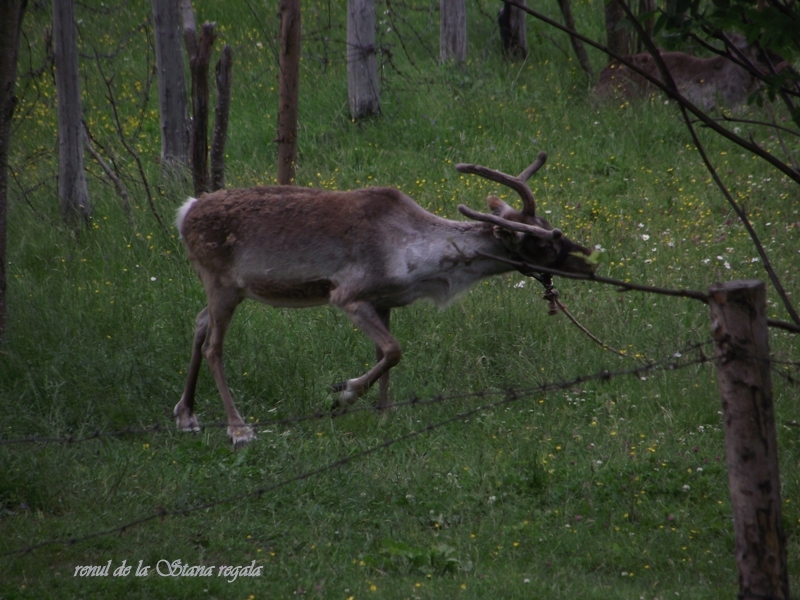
x: 118, y: 185
x: 738, y: 209
x: 121, y: 133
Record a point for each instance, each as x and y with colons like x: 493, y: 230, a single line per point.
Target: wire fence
x: 692, y: 355
x: 603, y: 375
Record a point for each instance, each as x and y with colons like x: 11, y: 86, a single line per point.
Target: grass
x: 611, y: 489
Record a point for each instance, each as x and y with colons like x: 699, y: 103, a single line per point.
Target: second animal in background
x: 715, y: 82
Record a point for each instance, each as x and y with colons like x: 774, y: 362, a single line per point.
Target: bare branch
x: 622, y: 286
x: 740, y: 212
x: 109, y: 87
x: 120, y: 187
x: 580, y: 51
x: 673, y: 94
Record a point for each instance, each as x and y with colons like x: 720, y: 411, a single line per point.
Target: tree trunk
x: 171, y: 85
x: 72, y: 190
x: 616, y: 36
x: 199, y: 60
x: 362, y: 63
x: 11, y: 12
x: 189, y: 27
x: 577, y: 45
x: 646, y: 7
x: 513, y: 31
x: 452, y: 31
x: 288, y: 89
x: 739, y: 326
x: 221, y: 112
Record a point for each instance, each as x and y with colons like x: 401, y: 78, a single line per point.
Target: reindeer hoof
x: 185, y: 419
x: 240, y: 435
x: 347, y: 397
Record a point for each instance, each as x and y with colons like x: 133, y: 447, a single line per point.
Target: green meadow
x: 604, y: 489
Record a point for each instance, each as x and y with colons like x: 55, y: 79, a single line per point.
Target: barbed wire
x: 785, y: 363
x: 626, y: 286
x: 785, y: 376
x: 348, y: 410
x: 674, y: 362
x: 414, y: 400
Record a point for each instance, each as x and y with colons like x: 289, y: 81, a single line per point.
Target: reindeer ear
x: 498, y: 207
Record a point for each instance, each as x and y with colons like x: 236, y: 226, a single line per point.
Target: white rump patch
x: 182, y: 212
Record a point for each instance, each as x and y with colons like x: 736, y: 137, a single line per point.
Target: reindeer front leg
x: 374, y: 323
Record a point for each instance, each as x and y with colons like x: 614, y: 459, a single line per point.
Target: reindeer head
x: 526, y: 237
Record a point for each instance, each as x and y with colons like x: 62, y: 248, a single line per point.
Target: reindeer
x: 705, y: 82
x: 365, y: 251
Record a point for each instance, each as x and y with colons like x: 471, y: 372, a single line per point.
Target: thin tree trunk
x: 11, y: 12
x: 577, y: 45
x: 362, y: 63
x: 646, y: 7
x: 171, y: 85
x: 616, y: 36
x: 452, y: 31
x: 288, y: 89
x: 221, y: 112
x: 199, y: 61
x: 73, y: 192
x: 513, y: 31
x: 739, y: 326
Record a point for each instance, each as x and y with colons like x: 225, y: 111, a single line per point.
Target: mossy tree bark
x: 739, y: 327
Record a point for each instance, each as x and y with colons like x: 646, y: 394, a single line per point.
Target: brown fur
x: 703, y: 81
x: 365, y: 251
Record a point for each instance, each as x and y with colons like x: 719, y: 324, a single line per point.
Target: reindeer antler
x: 519, y: 184
x: 541, y: 232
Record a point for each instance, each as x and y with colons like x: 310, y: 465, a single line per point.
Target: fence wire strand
x: 352, y: 410
x: 674, y: 362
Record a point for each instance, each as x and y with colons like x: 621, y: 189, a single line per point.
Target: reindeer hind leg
x: 183, y: 412
x: 222, y: 303
x: 384, y: 400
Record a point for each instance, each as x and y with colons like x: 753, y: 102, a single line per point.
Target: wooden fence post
x: 739, y: 327
x: 221, y: 114
x: 199, y: 51
x: 363, y: 87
